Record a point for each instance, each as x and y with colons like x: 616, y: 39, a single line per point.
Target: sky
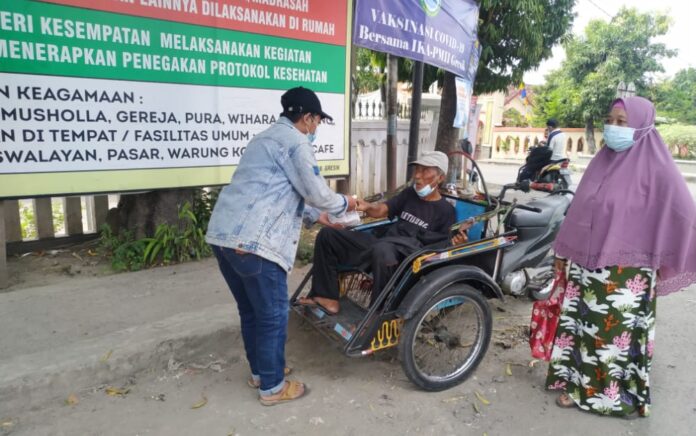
x: 681, y: 36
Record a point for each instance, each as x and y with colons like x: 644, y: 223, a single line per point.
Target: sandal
x: 291, y: 391
x: 254, y: 384
x: 565, y: 401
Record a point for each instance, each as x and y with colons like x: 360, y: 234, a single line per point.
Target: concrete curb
x: 688, y: 177
x: 52, y: 375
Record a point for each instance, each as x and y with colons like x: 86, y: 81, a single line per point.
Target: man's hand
x: 462, y: 236
x: 324, y: 221
x: 362, y: 205
x: 373, y: 210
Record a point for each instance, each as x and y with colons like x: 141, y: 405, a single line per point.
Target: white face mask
x: 424, y: 191
x: 312, y: 136
x: 620, y: 138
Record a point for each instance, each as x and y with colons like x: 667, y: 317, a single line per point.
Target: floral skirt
x: 604, y: 343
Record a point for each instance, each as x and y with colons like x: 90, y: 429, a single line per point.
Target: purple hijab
x: 633, y: 208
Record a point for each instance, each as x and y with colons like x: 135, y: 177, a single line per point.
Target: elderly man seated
x: 424, y: 218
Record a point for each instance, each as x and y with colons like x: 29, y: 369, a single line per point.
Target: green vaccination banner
x: 107, y: 96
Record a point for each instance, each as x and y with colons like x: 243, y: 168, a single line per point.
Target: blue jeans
x: 261, y: 290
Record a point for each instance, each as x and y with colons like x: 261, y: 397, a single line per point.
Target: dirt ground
x: 208, y: 395
x: 40, y: 268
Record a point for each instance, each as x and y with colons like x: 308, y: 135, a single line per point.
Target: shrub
x: 681, y: 139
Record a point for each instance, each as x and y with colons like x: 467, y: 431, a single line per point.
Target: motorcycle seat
x: 549, y: 207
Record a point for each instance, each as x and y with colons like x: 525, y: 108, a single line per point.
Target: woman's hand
x: 559, y: 266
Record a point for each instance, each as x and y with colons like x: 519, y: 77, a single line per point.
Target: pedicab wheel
x: 446, y: 339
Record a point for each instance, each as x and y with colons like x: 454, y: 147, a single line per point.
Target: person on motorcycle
x: 556, y: 141
x: 548, y: 151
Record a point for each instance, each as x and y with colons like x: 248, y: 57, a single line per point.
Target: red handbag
x: 545, y: 317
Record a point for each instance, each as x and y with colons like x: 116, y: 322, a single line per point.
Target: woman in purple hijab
x: 629, y: 236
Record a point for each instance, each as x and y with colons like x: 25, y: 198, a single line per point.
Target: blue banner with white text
x: 442, y: 33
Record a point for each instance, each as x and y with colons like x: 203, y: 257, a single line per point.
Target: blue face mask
x: 312, y: 137
x: 424, y: 191
x: 618, y: 138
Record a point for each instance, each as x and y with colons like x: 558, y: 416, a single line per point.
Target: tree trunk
x: 392, y: 72
x: 447, y: 135
x: 142, y: 213
x: 589, y: 136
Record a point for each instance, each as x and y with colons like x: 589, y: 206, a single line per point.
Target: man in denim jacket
x: 255, y: 228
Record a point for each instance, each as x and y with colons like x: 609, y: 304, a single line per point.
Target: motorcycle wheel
x: 539, y: 286
x: 446, y: 339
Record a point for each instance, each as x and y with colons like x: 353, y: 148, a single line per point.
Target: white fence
x: 368, y: 166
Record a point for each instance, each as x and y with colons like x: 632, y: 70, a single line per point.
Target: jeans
x: 261, y: 290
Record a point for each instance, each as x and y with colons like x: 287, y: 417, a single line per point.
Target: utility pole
x: 414, y: 132
x: 392, y: 80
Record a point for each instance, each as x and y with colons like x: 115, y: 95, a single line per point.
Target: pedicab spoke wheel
x: 445, y: 341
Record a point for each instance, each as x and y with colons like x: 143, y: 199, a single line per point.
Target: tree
x: 622, y: 49
x: 515, y: 37
x: 676, y: 98
x: 513, y: 118
x: 367, y: 77
x: 558, y: 98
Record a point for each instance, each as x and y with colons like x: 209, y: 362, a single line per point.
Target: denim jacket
x: 262, y: 208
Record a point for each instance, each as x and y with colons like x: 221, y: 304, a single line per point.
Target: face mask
x: 618, y: 138
x: 311, y: 137
x: 424, y: 191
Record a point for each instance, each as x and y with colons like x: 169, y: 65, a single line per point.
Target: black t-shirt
x: 417, y: 216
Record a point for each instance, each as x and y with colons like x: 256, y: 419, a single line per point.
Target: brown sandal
x: 565, y: 401
x: 254, y: 384
x: 291, y: 391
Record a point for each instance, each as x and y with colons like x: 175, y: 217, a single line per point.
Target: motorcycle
x: 526, y: 268
x: 540, y: 168
x: 558, y: 172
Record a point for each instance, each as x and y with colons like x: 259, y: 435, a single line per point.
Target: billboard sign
x: 108, y: 96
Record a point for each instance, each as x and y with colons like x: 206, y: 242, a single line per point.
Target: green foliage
x: 177, y: 243
x: 126, y: 253
x: 676, y: 98
x: 27, y: 221
x: 681, y: 139
x: 558, y: 98
x: 367, y: 78
x: 371, y: 65
x: 516, y: 36
x: 180, y: 242
x: 623, y: 49
x: 513, y: 118
x: 203, y: 206
x: 58, y: 215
